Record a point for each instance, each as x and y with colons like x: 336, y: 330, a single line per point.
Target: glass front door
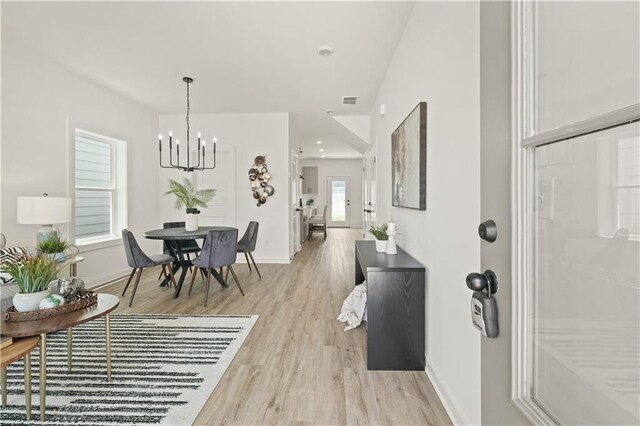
x: 339, y: 203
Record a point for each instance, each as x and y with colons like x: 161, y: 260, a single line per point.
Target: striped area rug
x: 164, y: 368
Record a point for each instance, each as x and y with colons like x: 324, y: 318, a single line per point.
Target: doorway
x: 338, y: 211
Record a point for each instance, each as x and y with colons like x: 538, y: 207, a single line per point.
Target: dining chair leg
x: 135, y: 286
x: 254, y: 265
x: 235, y: 278
x: 226, y: 278
x: 129, y: 281
x: 164, y: 272
x: 325, y: 232
x: 193, y: 279
x: 206, y: 288
x: 173, y: 278
x: 248, y: 263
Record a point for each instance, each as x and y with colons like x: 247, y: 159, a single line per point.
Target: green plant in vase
x: 32, y: 275
x: 54, y: 248
x: 188, y: 197
x: 381, y: 236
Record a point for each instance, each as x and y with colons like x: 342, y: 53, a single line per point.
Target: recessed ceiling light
x: 321, y: 150
x: 324, y: 51
x: 329, y: 111
x: 319, y: 142
x: 322, y: 156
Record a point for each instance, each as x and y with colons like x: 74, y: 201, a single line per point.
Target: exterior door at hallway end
x: 338, y: 201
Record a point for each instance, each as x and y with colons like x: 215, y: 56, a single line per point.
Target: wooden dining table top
x: 105, y: 304
x: 183, y: 234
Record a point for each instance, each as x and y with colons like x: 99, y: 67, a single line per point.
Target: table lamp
x: 44, y: 211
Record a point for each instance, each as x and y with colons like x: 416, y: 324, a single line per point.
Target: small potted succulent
x: 380, y: 233
x: 188, y: 197
x: 32, y: 275
x: 54, y: 248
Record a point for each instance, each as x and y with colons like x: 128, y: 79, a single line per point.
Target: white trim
x: 108, y: 279
x: 98, y: 243
x: 590, y: 125
x: 521, y: 23
x: 454, y: 412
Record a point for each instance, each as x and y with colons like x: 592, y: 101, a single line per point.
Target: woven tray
x: 89, y: 298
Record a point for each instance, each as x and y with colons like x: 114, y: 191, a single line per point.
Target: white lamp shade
x: 44, y: 210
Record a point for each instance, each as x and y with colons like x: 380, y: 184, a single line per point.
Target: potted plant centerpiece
x: 380, y: 232
x: 54, y: 248
x: 32, y: 275
x: 188, y: 197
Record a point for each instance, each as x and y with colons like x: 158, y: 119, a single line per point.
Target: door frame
x: 347, y: 222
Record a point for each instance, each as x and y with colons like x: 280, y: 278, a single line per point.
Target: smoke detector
x: 324, y: 51
x: 349, y: 100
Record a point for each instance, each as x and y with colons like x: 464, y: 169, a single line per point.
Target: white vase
x: 191, y: 222
x: 25, y: 302
x: 381, y: 246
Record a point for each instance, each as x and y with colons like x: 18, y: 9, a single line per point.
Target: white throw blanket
x: 354, y: 308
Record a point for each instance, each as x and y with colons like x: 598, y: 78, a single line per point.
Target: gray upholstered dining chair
x: 138, y: 260
x: 319, y: 223
x: 219, y: 250
x: 247, y: 244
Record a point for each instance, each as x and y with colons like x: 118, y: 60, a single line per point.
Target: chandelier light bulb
x: 160, y: 137
x: 204, y: 143
x: 199, y: 135
x: 170, y: 133
x: 177, y: 141
x: 215, y: 139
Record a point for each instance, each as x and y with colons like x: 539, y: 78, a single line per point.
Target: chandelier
x: 201, y: 155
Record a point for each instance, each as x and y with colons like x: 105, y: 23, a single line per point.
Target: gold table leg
x: 107, y: 323
x: 3, y: 374
x: 73, y: 269
x: 43, y: 374
x: 69, y: 347
x: 27, y: 385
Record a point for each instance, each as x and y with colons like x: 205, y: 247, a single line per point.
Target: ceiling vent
x: 349, y: 100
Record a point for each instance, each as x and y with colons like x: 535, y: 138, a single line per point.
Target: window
x: 576, y: 312
x: 100, y: 187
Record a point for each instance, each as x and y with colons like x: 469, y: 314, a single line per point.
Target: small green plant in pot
x: 188, y: 197
x: 32, y: 275
x: 54, y: 248
x: 380, y: 233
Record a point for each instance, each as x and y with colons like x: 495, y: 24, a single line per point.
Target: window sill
x: 98, y: 244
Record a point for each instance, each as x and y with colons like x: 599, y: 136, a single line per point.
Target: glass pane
x: 587, y: 60
x: 93, y: 213
x: 338, y: 201
x: 585, y: 317
x: 93, y: 163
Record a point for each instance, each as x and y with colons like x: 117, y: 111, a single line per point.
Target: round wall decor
x: 259, y: 177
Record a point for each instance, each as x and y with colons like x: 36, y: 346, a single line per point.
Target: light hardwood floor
x: 297, y: 365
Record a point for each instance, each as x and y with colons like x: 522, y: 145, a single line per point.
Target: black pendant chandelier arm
x: 201, y: 145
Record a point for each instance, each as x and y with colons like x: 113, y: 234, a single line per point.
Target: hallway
x: 297, y: 365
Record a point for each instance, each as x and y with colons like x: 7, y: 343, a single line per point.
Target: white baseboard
x: 107, y: 279
x: 450, y: 406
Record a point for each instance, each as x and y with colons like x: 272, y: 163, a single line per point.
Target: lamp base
x: 47, y: 232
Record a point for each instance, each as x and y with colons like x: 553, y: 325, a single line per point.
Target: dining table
x: 172, y: 238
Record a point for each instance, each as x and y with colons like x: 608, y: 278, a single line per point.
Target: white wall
x: 338, y: 167
x: 437, y: 61
x: 37, y: 100
x: 246, y: 136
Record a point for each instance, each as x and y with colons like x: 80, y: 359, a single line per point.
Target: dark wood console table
x: 395, y: 308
